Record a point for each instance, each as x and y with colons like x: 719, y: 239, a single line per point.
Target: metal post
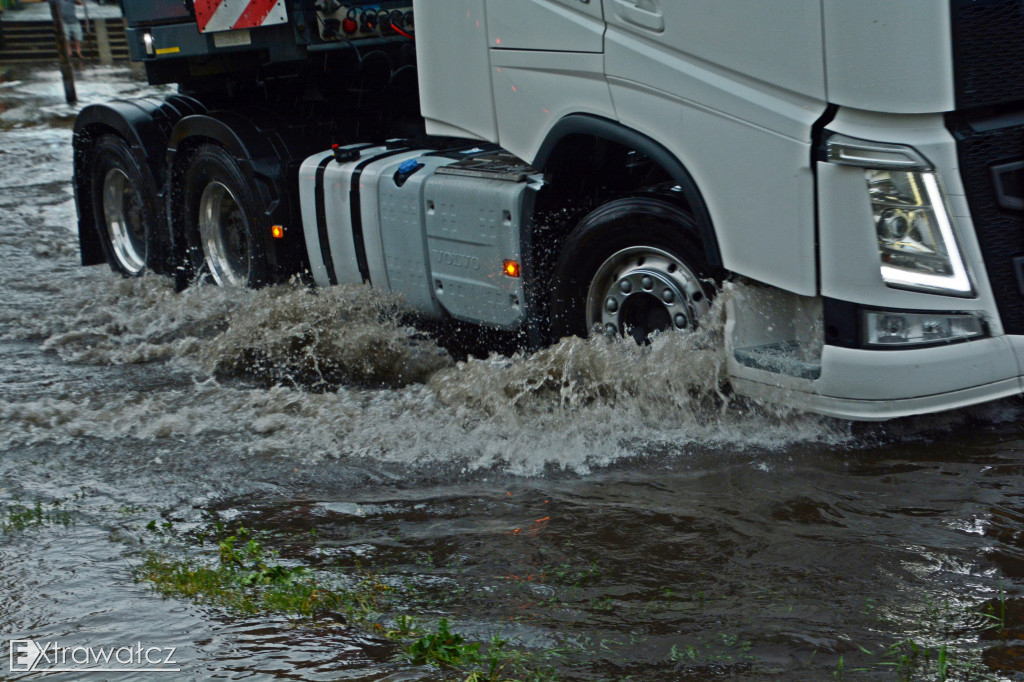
x: 62, y: 54
x: 103, y: 41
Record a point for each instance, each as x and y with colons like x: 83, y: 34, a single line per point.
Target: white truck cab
x: 843, y: 153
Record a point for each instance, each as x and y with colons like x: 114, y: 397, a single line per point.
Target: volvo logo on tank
x: 457, y: 260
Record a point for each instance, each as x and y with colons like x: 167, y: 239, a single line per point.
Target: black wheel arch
x: 145, y: 125
x: 575, y: 126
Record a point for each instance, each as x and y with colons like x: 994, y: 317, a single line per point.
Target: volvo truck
x: 557, y: 167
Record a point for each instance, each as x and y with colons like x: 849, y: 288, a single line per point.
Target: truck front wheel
x: 631, y: 268
x: 124, y: 202
x: 220, y: 218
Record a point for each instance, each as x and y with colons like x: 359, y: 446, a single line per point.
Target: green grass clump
x: 444, y: 648
x: 449, y: 650
x: 242, y: 580
x: 243, y: 577
x: 16, y: 516
x: 222, y: 586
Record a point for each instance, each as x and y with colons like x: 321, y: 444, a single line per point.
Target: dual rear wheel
x: 214, y: 211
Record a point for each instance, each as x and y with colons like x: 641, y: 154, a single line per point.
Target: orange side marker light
x: 277, y: 231
x: 512, y: 268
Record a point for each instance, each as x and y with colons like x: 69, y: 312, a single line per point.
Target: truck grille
x: 982, y: 145
x: 988, y: 51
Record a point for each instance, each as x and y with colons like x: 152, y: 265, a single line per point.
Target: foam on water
x: 119, y: 321
x: 677, y: 374
x: 290, y: 334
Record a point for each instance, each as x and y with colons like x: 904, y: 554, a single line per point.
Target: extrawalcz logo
x: 27, y: 655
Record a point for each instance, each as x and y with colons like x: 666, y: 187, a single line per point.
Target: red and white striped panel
x: 227, y: 15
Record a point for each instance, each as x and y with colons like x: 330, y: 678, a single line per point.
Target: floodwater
x: 608, y: 511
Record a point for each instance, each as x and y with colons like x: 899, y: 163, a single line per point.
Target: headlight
x: 917, y: 242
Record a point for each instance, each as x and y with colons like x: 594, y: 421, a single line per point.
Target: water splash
x: 580, y: 404
x: 185, y: 364
x: 676, y: 375
x: 322, y: 339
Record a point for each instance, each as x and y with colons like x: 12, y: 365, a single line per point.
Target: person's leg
x: 77, y: 32
x: 68, y: 36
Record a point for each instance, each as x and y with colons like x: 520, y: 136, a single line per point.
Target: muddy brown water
x: 606, y: 510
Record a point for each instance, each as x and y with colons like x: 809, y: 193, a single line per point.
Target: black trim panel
x: 985, y: 146
x: 818, y: 135
x: 988, y: 52
x: 321, y: 220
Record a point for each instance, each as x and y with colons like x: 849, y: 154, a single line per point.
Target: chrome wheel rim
x: 222, y: 232
x: 122, y: 211
x: 642, y: 290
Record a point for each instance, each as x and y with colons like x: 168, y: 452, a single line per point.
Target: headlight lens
x: 916, y: 241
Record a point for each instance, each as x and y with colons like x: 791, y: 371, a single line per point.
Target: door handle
x: 632, y: 12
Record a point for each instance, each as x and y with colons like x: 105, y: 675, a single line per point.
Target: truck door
x: 732, y: 88
x: 547, y: 61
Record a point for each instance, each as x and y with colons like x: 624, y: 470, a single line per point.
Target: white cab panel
x: 889, y: 56
x: 900, y: 374
x: 454, y: 68
x: 745, y: 141
x: 534, y: 90
x: 564, y: 25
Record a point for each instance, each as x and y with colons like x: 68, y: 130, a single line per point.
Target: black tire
x: 125, y: 207
x: 633, y: 266
x: 219, y: 215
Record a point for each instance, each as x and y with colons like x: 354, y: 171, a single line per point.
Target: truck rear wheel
x: 631, y: 268
x: 220, y: 218
x: 125, y: 206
